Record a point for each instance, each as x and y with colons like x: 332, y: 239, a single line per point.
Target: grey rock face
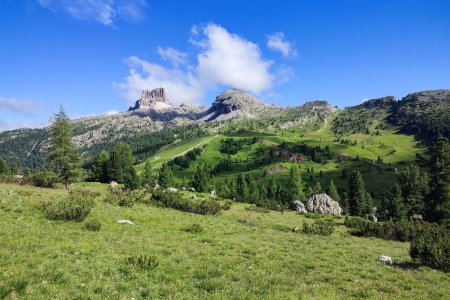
x: 323, y: 204
x: 155, y: 99
x: 380, y: 102
x: 428, y: 96
x: 172, y: 189
x: 299, y: 207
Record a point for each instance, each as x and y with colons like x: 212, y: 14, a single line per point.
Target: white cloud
x: 223, y: 59
x: 14, y: 105
x: 4, y: 125
x: 278, y: 42
x: 105, y: 12
x: 231, y: 60
x: 111, y: 112
x: 174, y: 56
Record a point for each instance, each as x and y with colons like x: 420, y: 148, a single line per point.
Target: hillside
x: 239, y: 254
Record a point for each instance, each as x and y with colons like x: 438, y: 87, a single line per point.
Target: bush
x: 247, y: 220
x: 176, y: 201
x: 194, y: 228
x: 44, y: 178
x: 432, y: 248
x: 258, y: 209
x: 403, y: 231
x: 76, y: 206
x: 143, y: 261
x: 319, y: 227
x: 124, y: 197
x: 226, y: 205
x: 93, y: 225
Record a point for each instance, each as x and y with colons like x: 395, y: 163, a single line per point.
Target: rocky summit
x: 152, y: 99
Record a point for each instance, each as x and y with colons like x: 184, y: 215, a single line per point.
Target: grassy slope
x: 41, y: 259
x: 396, y: 149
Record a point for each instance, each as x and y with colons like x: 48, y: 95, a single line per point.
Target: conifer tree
x: 147, y: 175
x: 439, y: 205
x: 344, y: 203
x: 120, y: 159
x: 165, y: 176
x: 63, y: 156
x: 394, y: 208
x: 100, y: 166
x: 253, y: 192
x: 26, y: 172
x: 15, y: 169
x: 414, y: 186
x: 294, y: 185
x: 3, y: 166
x: 131, y: 179
x: 357, y: 195
x: 332, y: 192
x: 201, y: 180
x: 241, y: 188
x: 271, y: 189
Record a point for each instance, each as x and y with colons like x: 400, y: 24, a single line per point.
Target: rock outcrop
x: 154, y: 99
x: 299, y: 207
x: 323, y: 204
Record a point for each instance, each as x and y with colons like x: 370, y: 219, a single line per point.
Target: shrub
x: 44, y: 178
x: 226, y: 205
x: 194, y: 228
x: 258, y: 209
x: 246, y: 220
x: 319, y: 227
x: 143, y: 261
x: 93, y: 225
x: 432, y: 248
x: 76, y: 206
x: 403, y: 231
x: 176, y: 201
x: 124, y: 197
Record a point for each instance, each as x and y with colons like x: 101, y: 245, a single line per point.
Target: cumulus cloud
x: 174, y: 56
x: 105, y: 12
x: 278, y: 42
x: 222, y: 59
x: 14, y: 105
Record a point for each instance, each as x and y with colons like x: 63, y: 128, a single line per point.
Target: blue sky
x: 95, y: 56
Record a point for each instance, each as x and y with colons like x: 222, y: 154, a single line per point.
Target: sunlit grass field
x: 240, y: 254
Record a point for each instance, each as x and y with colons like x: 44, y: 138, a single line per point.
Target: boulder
x: 156, y: 186
x: 295, y: 229
x: 371, y: 218
x: 386, y: 259
x: 192, y: 189
x: 193, y: 197
x: 172, y: 189
x: 113, y: 184
x: 213, y: 192
x: 323, y: 204
x: 299, y: 207
x: 416, y: 217
x: 125, y: 222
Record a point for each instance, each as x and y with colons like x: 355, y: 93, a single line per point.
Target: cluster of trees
x: 317, y: 154
x: 184, y: 161
x: 232, y: 146
x: 12, y: 169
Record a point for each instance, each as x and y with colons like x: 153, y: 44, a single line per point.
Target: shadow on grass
x: 407, y: 265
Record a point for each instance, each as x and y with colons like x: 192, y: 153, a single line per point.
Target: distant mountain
x: 154, y: 121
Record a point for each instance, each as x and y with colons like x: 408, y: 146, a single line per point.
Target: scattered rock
x: 10, y: 193
x: 295, y: 229
x: 276, y: 169
x: 213, y: 192
x: 157, y: 186
x: 125, y: 222
x: 416, y: 217
x: 183, y: 188
x: 299, y: 207
x: 172, y: 189
x: 323, y: 204
x: 193, y: 197
x: 113, y: 184
x: 371, y: 217
x: 386, y: 259
x: 192, y: 189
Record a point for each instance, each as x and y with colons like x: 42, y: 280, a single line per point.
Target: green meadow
x: 240, y: 254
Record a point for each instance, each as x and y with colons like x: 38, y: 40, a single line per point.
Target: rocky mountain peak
x: 429, y: 96
x: 387, y: 101
x: 152, y: 99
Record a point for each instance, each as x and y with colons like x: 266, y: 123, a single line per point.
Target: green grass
x: 240, y: 254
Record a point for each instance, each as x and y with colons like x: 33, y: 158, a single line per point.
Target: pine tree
x: 253, y: 192
x: 131, y: 179
x: 439, y: 204
x: 357, y: 195
x: 201, y: 180
x: 344, y: 203
x: 271, y: 189
x: 394, y: 208
x: 147, y: 175
x: 120, y: 159
x: 317, y: 189
x: 63, y: 156
x: 241, y: 188
x: 3, y: 166
x: 294, y: 185
x: 165, y: 177
x: 414, y: 186
x: 15, y: 169
x: 332, y: 192
x: 100, y: 166
x: 26, y: 172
